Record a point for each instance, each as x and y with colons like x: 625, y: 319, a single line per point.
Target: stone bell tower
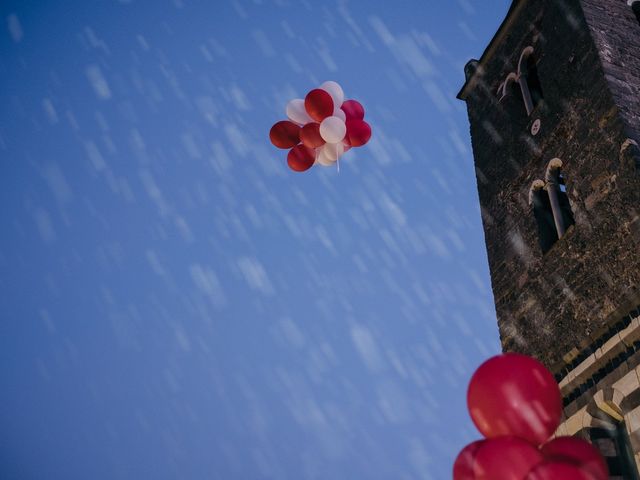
x: 554, y: 108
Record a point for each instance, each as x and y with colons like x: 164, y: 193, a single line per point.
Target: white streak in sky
x: 98, y: 82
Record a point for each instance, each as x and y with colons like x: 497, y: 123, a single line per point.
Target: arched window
x: 612, y: 439
x: 556, y: 188
x: 635, y: 6
x: 539, y: 199
x: 551, y: 207
x: 528, y: 80
x: 510, y: 96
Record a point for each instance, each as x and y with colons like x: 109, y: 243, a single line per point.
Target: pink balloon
x: 513, y: 394
x: 463, y: 466
x: 554, y: 470
x: 358, y: 132
x: 505, y: 458
x: 285, y: 134
x: 310, y: 135
x: 353, y: 110
x: 579, y: 452
x: 301, y: 158
x: 319, y: 104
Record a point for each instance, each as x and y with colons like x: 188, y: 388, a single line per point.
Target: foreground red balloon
x: 300, y: 158
x: 505, y: 458
x: 285, y: 134
x: 358, y: 132
x: 318, y: 104
x: 579, y: 452
x: 513, y: 394
x: 558, y: 471
x: 463, y: 466
x: 353, y: 110
x: 310, y: 135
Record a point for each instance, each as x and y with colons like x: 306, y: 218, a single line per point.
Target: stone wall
x: 616, y: 32
x: 603, y: 391
x: 555, y: 305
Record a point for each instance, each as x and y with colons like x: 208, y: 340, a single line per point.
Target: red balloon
x: 513, y: 394
x: 505, y: 458
x: 553, y: 470
x: 579, y: 452
x: 310, y: 135
x: 353, y: 110
x: 301, y: 158
x: 285, y: 134
x: 318, y: 104
x: 358, y: 132
x: 463, y: 466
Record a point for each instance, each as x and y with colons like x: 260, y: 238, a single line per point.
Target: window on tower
x: 565, y: 206
x: 525, y: 81
x: 539, y: 199
x: 534, y: 81
x: 510, y: 96
x: 551, y: 207
x: 635, y: 6
x: 612, y: 439
x: 560, y: 206
x: 529, y: 80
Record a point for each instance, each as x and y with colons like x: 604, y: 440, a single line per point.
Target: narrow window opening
x: 535, y: 87
x: 635, y: 6
x: 512, y: 100
x: 613, y: 442
x: 547, y: 234
x: 557, y: 190
x: 565, y: 206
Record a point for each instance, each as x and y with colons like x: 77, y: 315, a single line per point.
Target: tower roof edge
x: 471, y: 80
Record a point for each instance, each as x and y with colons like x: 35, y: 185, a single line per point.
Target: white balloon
x: 333, y: 151
x: 335, y: 90
x: 340, y: 114
x: 297, y: 113
x: 323, y: 160
x: 333, y: 129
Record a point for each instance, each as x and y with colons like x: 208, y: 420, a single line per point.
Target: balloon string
x: 338, y: 163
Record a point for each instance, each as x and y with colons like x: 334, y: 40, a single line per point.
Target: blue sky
x: 176, y: 303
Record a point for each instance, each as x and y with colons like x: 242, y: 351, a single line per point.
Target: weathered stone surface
x: 555, y: 305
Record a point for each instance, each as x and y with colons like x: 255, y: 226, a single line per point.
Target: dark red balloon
x: 513, y: 394
x: 554, y: 470
x: 358, y: 132
x: 318, y: 104
x: 579, y: 452
x: 285, y: 134
x: 353, y: 110
x: 310, y: 135
x: 301, y: 158
x: 463, y: 466
x: 505, y: 458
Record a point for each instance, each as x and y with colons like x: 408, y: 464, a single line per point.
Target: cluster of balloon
x: 320, y: 128
x: 516, y: 404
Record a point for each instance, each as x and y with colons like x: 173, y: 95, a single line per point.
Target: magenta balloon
x: 513, y: 394
x: 553, y: 470
x: 577, y: 451
x: 358, y: 132
x: 353, y: 110
x: 505, y: 458
x: 463, y: 466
